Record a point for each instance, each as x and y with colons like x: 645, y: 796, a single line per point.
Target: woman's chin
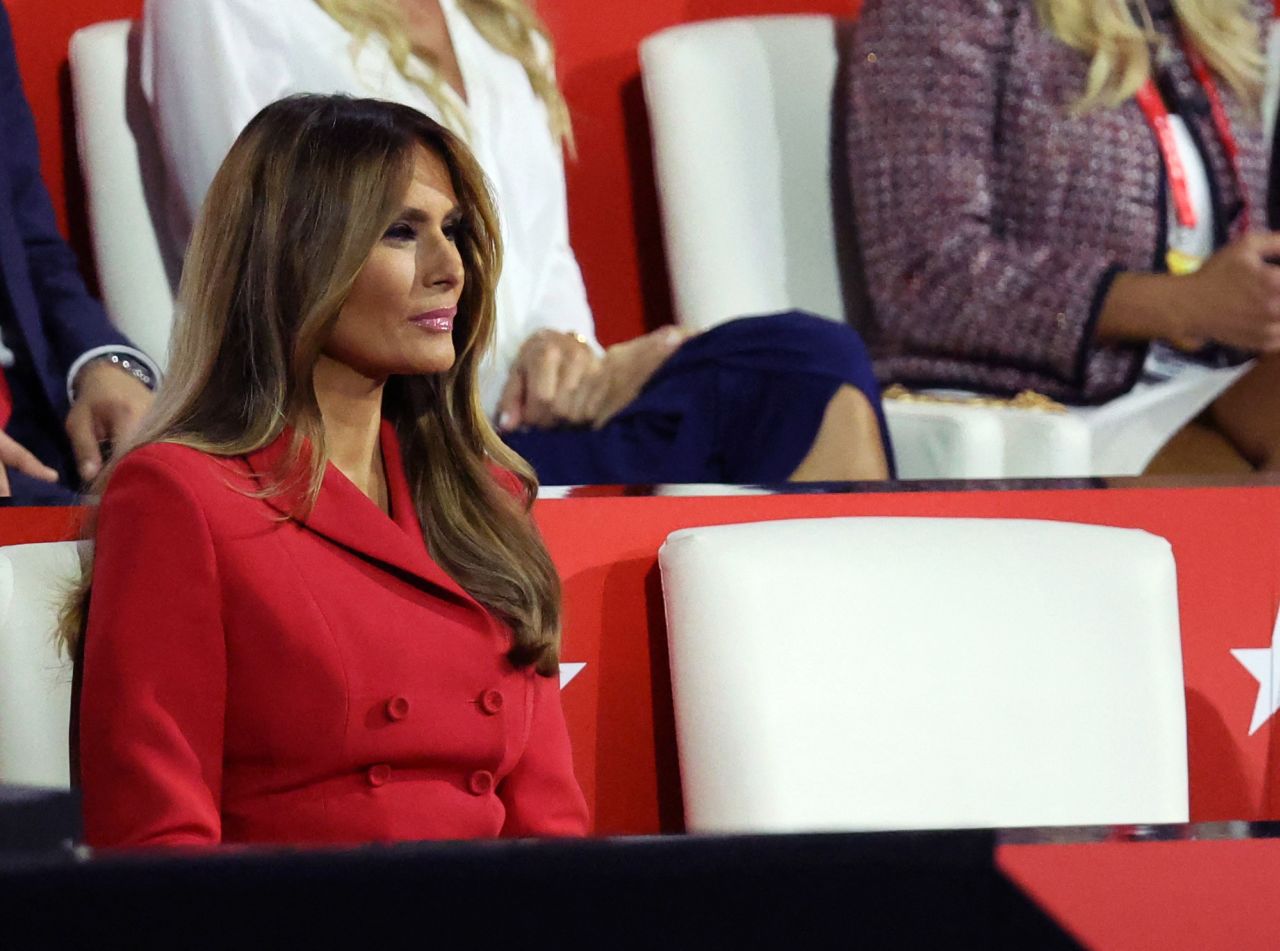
x: 426, y: 364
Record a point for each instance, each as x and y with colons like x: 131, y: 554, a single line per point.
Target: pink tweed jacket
x: 990, y: 220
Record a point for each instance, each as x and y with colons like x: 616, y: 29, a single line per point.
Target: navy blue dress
x: 739, y: 403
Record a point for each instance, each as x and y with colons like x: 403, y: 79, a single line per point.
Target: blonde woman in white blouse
x: 760, y: 400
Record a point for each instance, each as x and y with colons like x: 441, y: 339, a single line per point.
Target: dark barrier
x: 938, y: 890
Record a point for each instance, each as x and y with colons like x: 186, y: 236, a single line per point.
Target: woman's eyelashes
x: 404, y: 231
x: 401, y: 231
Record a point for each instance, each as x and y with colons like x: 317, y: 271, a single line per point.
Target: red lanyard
x: 1157, y: 114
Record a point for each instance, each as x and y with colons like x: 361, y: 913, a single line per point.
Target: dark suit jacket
x: 248, y: 677
x: 989, y: 218
x: 52, y: 319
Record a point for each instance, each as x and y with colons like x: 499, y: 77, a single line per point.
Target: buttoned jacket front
x: 253, y: 677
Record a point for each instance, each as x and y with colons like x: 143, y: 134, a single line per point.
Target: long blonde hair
x: 306, y: 192
x: 509, y: 26
x: 1118, y: 45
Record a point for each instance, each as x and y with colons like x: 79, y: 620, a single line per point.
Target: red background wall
x: 613, y: 207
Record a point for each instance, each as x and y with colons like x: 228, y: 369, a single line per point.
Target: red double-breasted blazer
x: 249, y: 677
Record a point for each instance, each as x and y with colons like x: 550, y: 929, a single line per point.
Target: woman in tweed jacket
x: 1013, y: 206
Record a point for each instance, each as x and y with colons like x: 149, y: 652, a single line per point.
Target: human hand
x: 548, y: 371
x: 110, y: 403
x: 627, y: 367
x: 1234, y: 298
x: 13, y: 455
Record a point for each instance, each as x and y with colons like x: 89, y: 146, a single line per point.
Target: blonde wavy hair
x: 509, y: 26
x: 1118, y: 44
x: 308, y: 189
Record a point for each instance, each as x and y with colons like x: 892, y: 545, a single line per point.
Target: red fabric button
x: 481, y: 782
x: 379, y: 774
x: 491, y: 701
x: 397, y: 708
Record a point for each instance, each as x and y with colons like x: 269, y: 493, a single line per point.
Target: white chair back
x: 902, y: 673
x: 748, y: 222
x: 35, y: 677
x: 124, y: 179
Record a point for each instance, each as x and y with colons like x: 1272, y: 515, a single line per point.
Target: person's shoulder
x: 7, y: 56
x: 946, y: 10
x: 1263, y: 13
x: 165, y: 16
x: 151, y: 9
x: 179, y: 469
x: 175, y: 456
x: 201, y: 8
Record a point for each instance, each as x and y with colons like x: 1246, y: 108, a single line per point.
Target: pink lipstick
x: 436, y: 321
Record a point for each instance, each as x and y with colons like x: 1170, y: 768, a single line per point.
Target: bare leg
x: 1248, y: 414
x: 1198, y: 449
x: 847, y: 447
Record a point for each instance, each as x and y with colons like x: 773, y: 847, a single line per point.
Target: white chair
x: 124, y: 182
x: 743, y: 136
x: 905, y: 673
x: 35, y: 677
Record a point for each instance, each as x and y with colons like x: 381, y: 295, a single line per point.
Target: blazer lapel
x: 347, y: 517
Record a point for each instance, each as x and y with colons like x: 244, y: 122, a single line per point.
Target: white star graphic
x: 568, y: 672
x: 1262, y: 663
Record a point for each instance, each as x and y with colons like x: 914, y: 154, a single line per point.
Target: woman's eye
x: 452, y: 231
x: 401, y: 232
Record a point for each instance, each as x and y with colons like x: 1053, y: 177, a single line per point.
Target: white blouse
x: 1165, y: 361
x: 1197, y: 242
x: 208, y: 66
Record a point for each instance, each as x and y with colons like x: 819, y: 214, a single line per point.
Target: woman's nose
x: 443, y: 267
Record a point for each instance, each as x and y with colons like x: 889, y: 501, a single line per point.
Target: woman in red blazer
x: 320, y: 611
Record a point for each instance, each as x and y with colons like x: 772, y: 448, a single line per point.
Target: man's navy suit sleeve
x: 73, y: 322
